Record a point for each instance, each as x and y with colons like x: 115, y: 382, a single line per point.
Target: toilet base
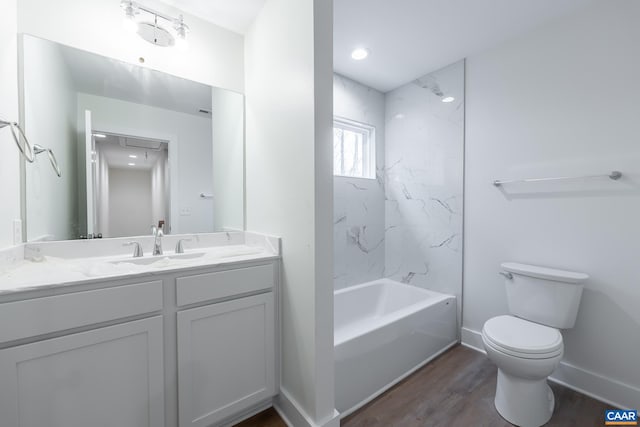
x: 523, y: 402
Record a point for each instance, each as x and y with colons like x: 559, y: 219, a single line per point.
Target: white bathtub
x: 385, y: 330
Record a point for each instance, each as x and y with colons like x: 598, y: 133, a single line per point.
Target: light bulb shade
x: 130, y: 25
x: 182, y: 30
x: 182, y: 43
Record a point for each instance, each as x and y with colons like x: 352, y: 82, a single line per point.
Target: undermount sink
x: 153, y: 259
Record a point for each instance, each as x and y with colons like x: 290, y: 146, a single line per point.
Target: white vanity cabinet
x: 111, y: 376
x: 190, y: 347
x: 101, y: 376
x: 226, y: 350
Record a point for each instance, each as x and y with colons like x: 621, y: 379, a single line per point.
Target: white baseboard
x: 594, y: 385
x: 472, y: 339
x: 254, y: 410
x: 612, y: 392
x: 294, y: 416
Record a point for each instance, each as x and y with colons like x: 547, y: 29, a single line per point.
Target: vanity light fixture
x: 359, y: 53
x: 131, y: 164
x: 159, y: 30
x: 448, y: 99
x: 133, y: 156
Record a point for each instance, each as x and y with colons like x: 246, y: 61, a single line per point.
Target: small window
x: 353, y: 149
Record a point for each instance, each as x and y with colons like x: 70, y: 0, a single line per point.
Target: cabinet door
x: 226, y: 358
x: 107, y: 377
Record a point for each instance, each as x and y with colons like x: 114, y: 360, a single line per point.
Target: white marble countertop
x: 46, y: 265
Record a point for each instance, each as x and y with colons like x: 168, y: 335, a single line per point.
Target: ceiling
x: 410, y: 38
x: 98, y: 75
x: 118, y: 156
x: 234, y: 15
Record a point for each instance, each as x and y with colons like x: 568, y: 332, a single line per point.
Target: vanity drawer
x: 222, y: 284
x: 40, y: 316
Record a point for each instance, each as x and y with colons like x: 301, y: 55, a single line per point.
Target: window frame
x: 369, y: 145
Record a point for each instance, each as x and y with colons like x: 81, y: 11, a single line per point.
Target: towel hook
x: 37, y: 149
x: 26, y: 149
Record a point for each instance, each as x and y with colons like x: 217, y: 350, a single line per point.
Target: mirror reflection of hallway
x: 131, y: 184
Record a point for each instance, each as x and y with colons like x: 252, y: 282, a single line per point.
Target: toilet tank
x: 543, y: 295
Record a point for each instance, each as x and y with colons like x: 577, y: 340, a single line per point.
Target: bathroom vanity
x: 91, y: 332
x: 184, y: 342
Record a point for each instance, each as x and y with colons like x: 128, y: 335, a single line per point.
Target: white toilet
x: 527, y: 345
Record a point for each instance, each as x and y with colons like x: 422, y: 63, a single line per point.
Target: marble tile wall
x: 359, y: 204
x: 423, y: 174
x: 407, y: 223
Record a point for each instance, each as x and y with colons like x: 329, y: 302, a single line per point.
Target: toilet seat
x: 522, y: 338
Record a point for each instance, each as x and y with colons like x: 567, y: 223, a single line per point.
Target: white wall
x: 227, y: 119
x: 50, y: 121
x: 9, y: 154
x: 358, y: 203
x: 130, y: 211
x: 289, y: 188
x: 214, y: 56
x: 562, y: 100
x: 192, y: 136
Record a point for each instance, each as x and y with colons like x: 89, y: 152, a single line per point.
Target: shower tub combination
x: 384, y: 331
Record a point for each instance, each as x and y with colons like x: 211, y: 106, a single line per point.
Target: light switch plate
x: 185, y: 212
x: 17, y: 231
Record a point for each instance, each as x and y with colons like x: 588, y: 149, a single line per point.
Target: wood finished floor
x: 456, y: 389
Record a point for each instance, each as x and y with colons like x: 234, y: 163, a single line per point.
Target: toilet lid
x: 522, y: 336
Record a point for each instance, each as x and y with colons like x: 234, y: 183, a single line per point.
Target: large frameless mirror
x: 136, y: 148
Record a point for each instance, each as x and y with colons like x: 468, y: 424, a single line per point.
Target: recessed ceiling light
x: 131, y: 164
x: 448, y: 99
x: 133, y: 156
x: 99, y: 135
x: 359, y: 53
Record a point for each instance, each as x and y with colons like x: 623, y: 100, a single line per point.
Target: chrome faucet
x: 180, y: 246
x: 137, y: 250
x: 157, y: 241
